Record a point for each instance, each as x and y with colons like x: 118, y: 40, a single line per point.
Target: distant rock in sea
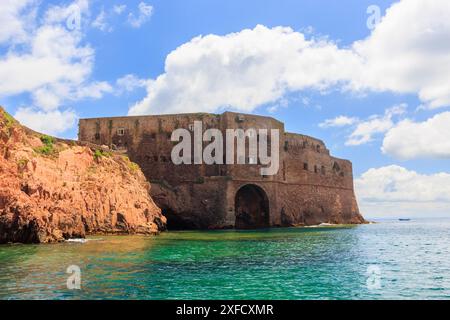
x: 52, y: 190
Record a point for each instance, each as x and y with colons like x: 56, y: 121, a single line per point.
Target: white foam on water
x: 322, y: 225
x: 77, y: 240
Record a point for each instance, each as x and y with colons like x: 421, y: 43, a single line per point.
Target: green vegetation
x: 201, y: 115
x: 45, y: 150
x: 200, y: 180
x: 48, y: 148
x: 100, y: 154
x: 22, y: 163
x: 9, y: 119
x: 133, y: 166
x: 6, y: 122
x: 47, y: 140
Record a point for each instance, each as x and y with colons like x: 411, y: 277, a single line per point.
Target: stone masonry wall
x: 311, y: 187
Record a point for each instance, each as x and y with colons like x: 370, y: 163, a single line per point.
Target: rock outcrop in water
x: 52, y: 190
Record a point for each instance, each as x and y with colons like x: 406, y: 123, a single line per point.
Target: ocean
x: 387, y: 260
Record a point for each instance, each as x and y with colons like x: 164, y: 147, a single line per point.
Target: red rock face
x: 68, y: 191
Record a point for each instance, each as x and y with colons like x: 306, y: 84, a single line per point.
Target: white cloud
x: 15, y: 16
x: 282, y: 103
x: 55, y: 57
x: 129, y: 83
x: 365, y: 130
x: 46, y: 99
x: 68, y: 15
x: 340, y: 121
x: 100, y: 22
x: 49, y: 97
x: 51, y: 64
x: 406, y: 57
x: 250, y: 68
x: 93, y: 90
x: 244, y: 70
x: 428, y: 139
x: 404, y: 139
x: 396, y: 191
x: 119, y: 8
x: 51, y: 122
x: 145, y: 12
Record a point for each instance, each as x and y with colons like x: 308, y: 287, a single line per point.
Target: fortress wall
x: 147, y: 140
x: 311, y: 186
x: 302, y: 204
x: 310, y: 205
x: 299, y: 142
x: 307, y: 161
x: 231, y: 120
x: 153, y: 152
x: 314, y: 169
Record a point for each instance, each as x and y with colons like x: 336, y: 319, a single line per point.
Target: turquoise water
x: 411, y: 259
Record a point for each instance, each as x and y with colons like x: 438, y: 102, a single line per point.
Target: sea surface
x: 387, y: 260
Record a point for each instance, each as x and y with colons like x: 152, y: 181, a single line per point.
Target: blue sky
x: 120, y: 48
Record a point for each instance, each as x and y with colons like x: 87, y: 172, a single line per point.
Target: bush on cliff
x: 7, y: 122
x: 98, y: 154
x: 48, y: 147
x: 131, y: 165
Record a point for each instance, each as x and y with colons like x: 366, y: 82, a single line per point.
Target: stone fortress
x: 311, y: 187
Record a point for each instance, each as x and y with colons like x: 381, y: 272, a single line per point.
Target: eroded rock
x: 55, y: 190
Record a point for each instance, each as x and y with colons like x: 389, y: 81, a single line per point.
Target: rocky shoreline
x: 52, y: 190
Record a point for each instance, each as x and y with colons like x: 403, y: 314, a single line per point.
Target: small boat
x: 404, y: 219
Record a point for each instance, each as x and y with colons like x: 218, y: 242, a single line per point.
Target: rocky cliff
x: 52, y: 190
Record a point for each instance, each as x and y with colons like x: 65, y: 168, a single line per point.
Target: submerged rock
x: 52, y: 190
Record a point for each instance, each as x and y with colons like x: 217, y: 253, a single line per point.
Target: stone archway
x: 251, y: 208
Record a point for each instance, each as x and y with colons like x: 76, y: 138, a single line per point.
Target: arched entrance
x: 177, y: 221
x: 251, y: 208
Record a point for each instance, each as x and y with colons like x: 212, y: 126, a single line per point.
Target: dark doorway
x: 251, y: 208
x: 178, y: 221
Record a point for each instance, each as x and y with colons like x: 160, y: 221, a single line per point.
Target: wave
x: 77, y: 240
